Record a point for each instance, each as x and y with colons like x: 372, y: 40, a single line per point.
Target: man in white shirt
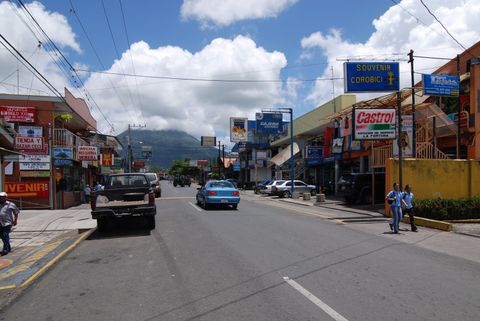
x: 8, y: 218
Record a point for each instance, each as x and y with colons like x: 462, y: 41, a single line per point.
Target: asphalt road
x: 260, y: 262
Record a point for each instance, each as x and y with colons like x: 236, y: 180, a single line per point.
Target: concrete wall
x: 431, y: 178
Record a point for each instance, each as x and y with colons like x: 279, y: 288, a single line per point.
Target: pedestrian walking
x: 8, y: 218
x: 98, y: 187
x: 87, y: 190
x: 408, y: 206
x: 393, y: 198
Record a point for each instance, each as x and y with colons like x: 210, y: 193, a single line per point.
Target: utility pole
x: 218, y: 161
x: 412, y: 75
x: 223, y: 159
x: 459, y: 110
x: 129, y: 151
x: 399, y: 134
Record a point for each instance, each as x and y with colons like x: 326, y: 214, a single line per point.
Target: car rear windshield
x: 151, y: 177
x: 346, y: 179
x: 221, y: 184
x: 128, y: 180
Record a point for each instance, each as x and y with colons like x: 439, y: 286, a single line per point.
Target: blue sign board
x: 371, y: 76
x: 62, y: 162
x: 236, y: 167
x: 314, y: 155
x: 269, y: 123
x: 441, y: 85
x: 62, y: 153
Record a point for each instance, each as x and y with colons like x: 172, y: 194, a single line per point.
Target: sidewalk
x: 40, y: 238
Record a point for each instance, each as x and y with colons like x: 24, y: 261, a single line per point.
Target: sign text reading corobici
x: 371, y: 76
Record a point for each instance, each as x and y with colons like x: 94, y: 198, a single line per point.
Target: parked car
x: 262, y: 185
x: 124, y: 195
x: 284, y: 189
x: 358, y: 187
x: 155, y: 182
x: 268, y: 188
x: 218, y: 192
x: 182, y: 181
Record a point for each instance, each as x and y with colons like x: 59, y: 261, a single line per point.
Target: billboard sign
x: 30, y: 131
x: 208, y: 141
x: 269, y: 123
x: 27, y: 189
x: 441, y: 85
x: 362, y: 77
x: 107, y: 159
x: 374, y: 124
x: 87, y: 153
x: 238, y: 129
x: 314, y: 155
x: 337, y: 145
x: 16, y: 114
x: 25, y: 142
x: 35, y: 166
x: 62, y: 153
x: 407, y: 126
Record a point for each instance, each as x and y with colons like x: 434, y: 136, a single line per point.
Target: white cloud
x: 198, y: 107
x: 17, y: 33
x: 397, y: 31
x: 226, y: 12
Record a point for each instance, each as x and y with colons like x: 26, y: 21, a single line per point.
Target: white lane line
x: 195, y: 206
x: 322, y: 305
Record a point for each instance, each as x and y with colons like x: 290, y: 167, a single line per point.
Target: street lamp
x: 292, y: 161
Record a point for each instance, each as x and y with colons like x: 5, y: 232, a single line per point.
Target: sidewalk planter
x: 448, y: 209
x: 307, y: 196
x: 296, y: 195
x: 321, y: 198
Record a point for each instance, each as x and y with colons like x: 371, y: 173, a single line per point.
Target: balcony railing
x: 64, y: 138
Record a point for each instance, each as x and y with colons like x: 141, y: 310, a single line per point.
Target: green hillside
x: 167, y: 145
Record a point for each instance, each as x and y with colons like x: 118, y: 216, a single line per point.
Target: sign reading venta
x: 87, y: 153
x: 374, y: 124
x: 371, y: 76
x: 441, y: 85
x: 24, y: 142
x: 16, y: 114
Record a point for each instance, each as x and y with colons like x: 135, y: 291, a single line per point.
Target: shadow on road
x: 120, y: 228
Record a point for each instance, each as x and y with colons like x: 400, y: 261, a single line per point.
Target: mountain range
x: 167, y: 145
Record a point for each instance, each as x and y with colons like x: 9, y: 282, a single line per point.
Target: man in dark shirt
x: 8, y: 218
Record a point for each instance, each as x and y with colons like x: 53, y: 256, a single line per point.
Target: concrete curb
x: 471, y: 221
x: 426, y: 222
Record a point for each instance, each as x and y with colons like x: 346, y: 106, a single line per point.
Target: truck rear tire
x: 102, y: 224
x: 150, y: 220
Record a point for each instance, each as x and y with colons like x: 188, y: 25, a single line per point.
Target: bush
x: 448, y: 209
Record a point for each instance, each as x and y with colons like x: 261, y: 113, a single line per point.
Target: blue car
x: 218, y: 192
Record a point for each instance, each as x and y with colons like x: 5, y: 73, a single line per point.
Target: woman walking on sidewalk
x: 393, y: 198
x: 8, y: 217
x: 407, y: 204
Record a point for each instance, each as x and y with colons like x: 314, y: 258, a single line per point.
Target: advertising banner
x: 35, y: 166
x: 24, y: 142
x: 202, y: 162
x: 63, y: 162
x: 62, y: 153
x: 192, y: 163
x: 407, y: 126
x: 16, y: 114
x: 30, y: 131
x: 238, y: 129
x: 441, y: 85
x: 374, y: 124
x: 269, y: 123
x: 345, y: 126
x: 337, y: 145
x: 35, y: 159
x: 236, y: 167
x: 314, y: 155
x: 107, y: 159
x: 371, y: 76
x: 87, y: 153
x: 27, y: 189
x: 208, y: 141
x: 35, y: 174
x: 355, y: 145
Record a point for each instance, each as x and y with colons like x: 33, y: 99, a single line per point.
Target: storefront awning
x: 284, y: 155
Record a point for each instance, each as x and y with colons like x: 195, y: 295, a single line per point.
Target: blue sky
x: 214, y: 39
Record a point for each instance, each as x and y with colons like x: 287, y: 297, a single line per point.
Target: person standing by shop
x: 393, y: 198
x: 87, y: 190
x: 407, y: 204
x: 8, y: 218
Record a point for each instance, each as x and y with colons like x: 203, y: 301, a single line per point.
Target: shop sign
x: 30, y: 131
x: 208, y: 141
x: 355, y: 145
x: 87, y: 153
x: 63, y: 162
x: 138, y: 163
x: 104, y: 169
x: 107, y: 159
x: 18, y: 114
x: 202, y: 162
x: 27, y: 189
x: 238, y: 129
x: 63, y: 153
x: 269, y: 123
x: 43, y: 151
x: 35, y: 174
x: 371, y: 76
x: 314, y: 155
x: 441, y: 85
x: 337, y: 145
x: 374, y: 124
x: 35, y: 166
x: 236, y: 167
x: 24, y: 142
x: 35, y: 159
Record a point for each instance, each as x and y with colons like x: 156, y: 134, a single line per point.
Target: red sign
x: 17, y: 114
x: 27, y: 189
x: 24, y: 142
x: 138, y: 163
x: 107, y: 159
x: 87, y: 153
x: 202, y: 162
x: 43, y: 151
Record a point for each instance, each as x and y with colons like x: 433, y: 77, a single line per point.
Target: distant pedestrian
x: 98, y: 187
x: 407, y: 198
x: 393, y: 198
x: 8, y: 218
x: 87, y: 190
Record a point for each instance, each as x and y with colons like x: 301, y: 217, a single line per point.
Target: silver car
x: 284, y: 189
x: 268, y: 187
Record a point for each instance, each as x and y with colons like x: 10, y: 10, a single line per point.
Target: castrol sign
x: 374, y: 124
